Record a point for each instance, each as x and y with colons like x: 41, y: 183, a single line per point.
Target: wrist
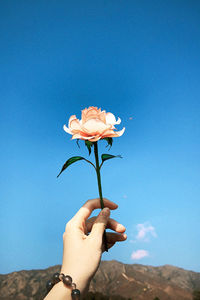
x: 59, y: 291
x: 63, y: 287
x: 82, y: 282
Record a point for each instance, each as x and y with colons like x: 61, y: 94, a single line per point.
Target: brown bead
x: 73, y: 286
x: 49, y: 285
x: 56, y: 278
x: 67, y: 280
x: 76, y: 295
x: 61, y: 276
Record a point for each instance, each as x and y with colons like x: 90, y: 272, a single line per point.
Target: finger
x: 99, y: 227
x: 85, y: 211
x: 112, y: 224
x: 108, y: 246
x: 115, y: 237
x: 112, y: 238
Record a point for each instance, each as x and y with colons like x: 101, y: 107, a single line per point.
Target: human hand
x: 82, y: 252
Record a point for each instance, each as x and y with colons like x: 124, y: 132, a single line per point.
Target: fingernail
x: 122, y: 226
x: 125, y: 235
x: 105, y: 211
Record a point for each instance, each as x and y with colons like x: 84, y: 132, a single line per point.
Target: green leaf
x: 109, y: 141
x: 89, y: 145
x: 105, y: 157
x: 77, y: 142
x: 70, y: 161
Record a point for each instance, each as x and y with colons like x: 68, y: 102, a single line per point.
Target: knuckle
x: 100, y: 223
x: 87, y: 203
x: 68, y: 226
x: 90, y: 202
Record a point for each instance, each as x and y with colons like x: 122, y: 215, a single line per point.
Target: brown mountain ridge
x: 113, y: 279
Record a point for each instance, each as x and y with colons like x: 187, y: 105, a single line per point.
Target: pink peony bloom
x: 94, y: 125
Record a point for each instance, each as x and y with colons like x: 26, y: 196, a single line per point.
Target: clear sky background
x: 137, y: 59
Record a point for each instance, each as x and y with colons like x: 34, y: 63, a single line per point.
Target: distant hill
x: 113, y: 279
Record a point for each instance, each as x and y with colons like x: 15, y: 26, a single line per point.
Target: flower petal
x: 75, y: 125
x: 88, y: 112
x: 102, y: 116
x: 110, y: 119
x: 95, y: 139
x: 113, y: 133
x: 118, y: 121
x: 120, y: 132
x: 92, y: 110
x: 67, y: 129
x: 95, y: 126
x: 83, y: 115
x: 81, y: 137
x: 70, y: 119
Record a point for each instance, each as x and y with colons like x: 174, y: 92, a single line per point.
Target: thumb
x: 99, y: 226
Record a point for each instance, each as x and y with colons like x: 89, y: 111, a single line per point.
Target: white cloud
x: 145, y: 231
x: 139, y: 254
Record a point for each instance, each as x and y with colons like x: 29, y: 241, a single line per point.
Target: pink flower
x: 94, y: 125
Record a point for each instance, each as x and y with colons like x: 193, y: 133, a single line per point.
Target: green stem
x: 98, y: 174
x: 99, y: 186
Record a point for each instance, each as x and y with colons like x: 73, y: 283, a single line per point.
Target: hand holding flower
x: 82, y: 246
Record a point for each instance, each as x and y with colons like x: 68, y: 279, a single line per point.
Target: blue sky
x: 137, y: 59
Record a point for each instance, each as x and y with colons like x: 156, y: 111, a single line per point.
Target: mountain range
x: 113, y: 280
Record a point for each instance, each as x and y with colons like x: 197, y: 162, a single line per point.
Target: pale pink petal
x: 70, y: 119
x: 95, y: 126
x: 95, y: 139
x: 79, y: 136
x: 120, y: 132
x: 83, y: 115
x: 108, y: 132
x: 92, y: 113
x: 92, y: 110
x: 110, y: 119
x: 91, y: 116
x: 118, y: 121
x: 75, y: 125
x: 67, y: 129
x: 102, y: 116
x: 113, y: 133
x: 93, y: 107
x: 88, y: 112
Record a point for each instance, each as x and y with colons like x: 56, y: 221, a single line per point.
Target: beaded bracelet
x: 67, y: 280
